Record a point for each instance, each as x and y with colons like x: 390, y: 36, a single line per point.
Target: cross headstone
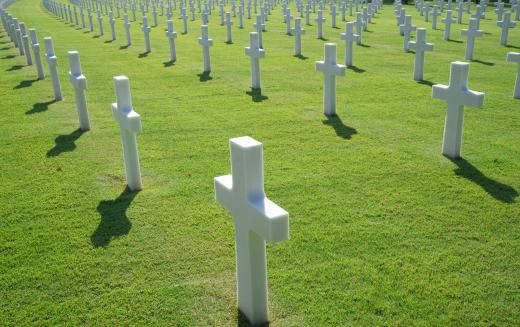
x: 457, y: 95
x: 471, y: 33
x: 460, y: 11
x: 505, y: 24
x: 419, y: 46
x: 36, y: 52
x: 257, y: 220
x: 435, y: 13
x: 499, y: 11
x: 426, y: 9
x: 256, y: 53
x: 359, y: 26
x: 79, y: 84
x: 447, y: 24
x: 298, y: 31
x: 127, y: 30
x: 406, y: 29
x: 25, y: 42
x: 52, y: 62
x: 259, y: 27
x: 129, y: 125
x: 184, y: 21
x: 228, y: 23
x: 333, y: 15
x: 330, y: 69
x: 90, y: 20
x: 146, y: 30
x: 171, y: 35
x: 100, y: 20
x: 478, y: 15
x: 515, y: 57
x: 320, y: 20
x: 349, y: 37
x: 288, y: 18
x: 112, y: 23
x: 205, y: 42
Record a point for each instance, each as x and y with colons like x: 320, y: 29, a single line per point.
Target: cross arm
x: 513, y: 57
x: 79, y: 82
x: 127, y: 118
x: 272, y: 222
x: 224, y: 191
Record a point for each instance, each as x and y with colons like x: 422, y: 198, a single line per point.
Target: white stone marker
x: 129, y: 124
x: 515, y: 57
x: 457, y: 95
x: 505, y: 24
x: 359, y: 26
x: 256, y: 53
x: 288, y: 18
x: 36, y: 51
x: 52, y: 62
x: 419, y: 46
x: 228, y: 23
x: 298, y: 31
x: 349, y: 37
x: 205, y: 42
x: 447, y: 21
x: 330, y: 70
x: 406, y: 30
x: 435, y: 13
x: 320, y: 20
x: 460, y: 10
x: 100, y: 20
x: 478, y: 15
x: 127, y: 31
x: 79, y: 84
x: 112, y: 23
x: 259, y: 26
x: 171, y: 35
x: 146, y: 30
x: 25, y: 42
x: 257, y: 220
x: 471, y: 33
x: 90, y: 20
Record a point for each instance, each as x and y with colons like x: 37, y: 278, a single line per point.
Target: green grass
x: 384, y: 229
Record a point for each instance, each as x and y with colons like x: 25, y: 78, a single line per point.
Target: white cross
x: 435, y: 13
x: 499, y: 11
x: 288, y: 19
x: 25, y: 43
x: 457, y: 95
x: 90, y: 20
x: 419, y: 46
x: 359, y: 26
x: 460, y: 11
x: 100, y: 20
x: 349, y: 37
x: 36, y: 51
x: 146, y: 30
x: 471, y: 33
x: 112, y: 22
x: 129, y: 124
x: 330, y: 69
x: 478, y: 15
x: 205, y: 42
x: 127, y: 30
x: 515, y: 57
x: 505, y: 24
x: 333, y: 15
x: 406, y: 29
x: 184, y: 21
x: 426, y: 9
x: 256, y: 53
x: 447, y: 21
x: 257, y: 220
x: 79, y: 84
x: 228, y: 24
x: 320, y: 20
x: 52, y: 62
x: 171, y: 35
x: 222, y: 13
x: 259, y: 27
x: 297, y: 31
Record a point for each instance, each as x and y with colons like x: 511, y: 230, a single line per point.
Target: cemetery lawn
x: 384, y: 229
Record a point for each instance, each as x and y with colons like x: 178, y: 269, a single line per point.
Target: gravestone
x: 515, y: 57
x: 330, y: 69
x: 435, y: 13
x: 100, y: 20
x: 298, y: 31
x: 478, y: 15
x: 505, y: 25
x: 349, y: 37
x: 228, y: 23
x: 288, y: 18
x: 129, y: 125
x: 205, y: 42
x: 146, y: 30
x: 112, y: 23
x: 36, y: 52
x: 406, y: 29
x: 171, y: 35
x: 52, y: 62
x: 359, y: 27
x: 127, y: 31
x: 419, y: 46
x: 259, y: 26
x: 457, y: 95
x: 256, y: 53
x: 447, y: 24
x: 320, y: 20
x: 79, y: 84
x: 257, y: 220
x: 471, y: 33
x: 25, y: 42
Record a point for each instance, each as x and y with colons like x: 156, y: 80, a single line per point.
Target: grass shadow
x: 301, y: 57
x: 124, y: 47
x: 96, y: 36
x: 454, y: 41
x: 15, y: 67
x: 205, y: 76
x: 86, y: 32
x: 424, y: 82
x: 109, y: 41
x: 364, y: 45
x: 26, y: 83
x: 356, y: 69
x: 323, y: 38
x: 9, y: 57
x: 169, y: 63
x: 229, y: 42
x: 487, y: 63
x: 341, y: 129
x: 114, y: 222
x: 39, y: 107
x: 5, y: 48
x: 256, y: 95
x: 65, y: 143
x: 512, y: 46
x: 144, y: 54
x: 242, y: 321
x: 497, y: 190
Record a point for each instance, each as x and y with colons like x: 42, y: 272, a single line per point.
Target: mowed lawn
x: 384, y: 229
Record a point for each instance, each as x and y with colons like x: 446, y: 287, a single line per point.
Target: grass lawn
x: 384, y: 229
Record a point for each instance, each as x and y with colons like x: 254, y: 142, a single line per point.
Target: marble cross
x: 146, y: 30
x: 90, y: 20
x: 426, y: 9
x: 228, y: 23
x: 447, y: 21
x: 505, y: 24
x: 478, y: 15
x: 25, y: 43
x: 419, y: 46
x: 52, y: 62
x: 515, y: 57
x: 205, y: 42
x: 184, y: 21
x: 406, y: 29
x: 288, y: 18
x: 330, y: 69
x: 460, y: 11
x: 259, y: 26
x: 297, y: 31
x: 256, y: 53
x: 129, y: 125
x: 36, y: 52
x: 171, y: 35
x: 79, y: 84
x: 349, y: 37
x: 320, y: 20
x: 499, y: 11
x: 112, y: 23
x: 457, y: 95
x: 257, y: 220
x: 471, y: 33
x: 100, y: 20
x: 127, y: 30
x: 333, y: 15
x: 359, y: 26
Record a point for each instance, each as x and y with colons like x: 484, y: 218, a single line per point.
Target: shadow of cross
x: 341, y: 129
x: 114, y: 222
x: 65, y: 143
x: 257, y: 220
